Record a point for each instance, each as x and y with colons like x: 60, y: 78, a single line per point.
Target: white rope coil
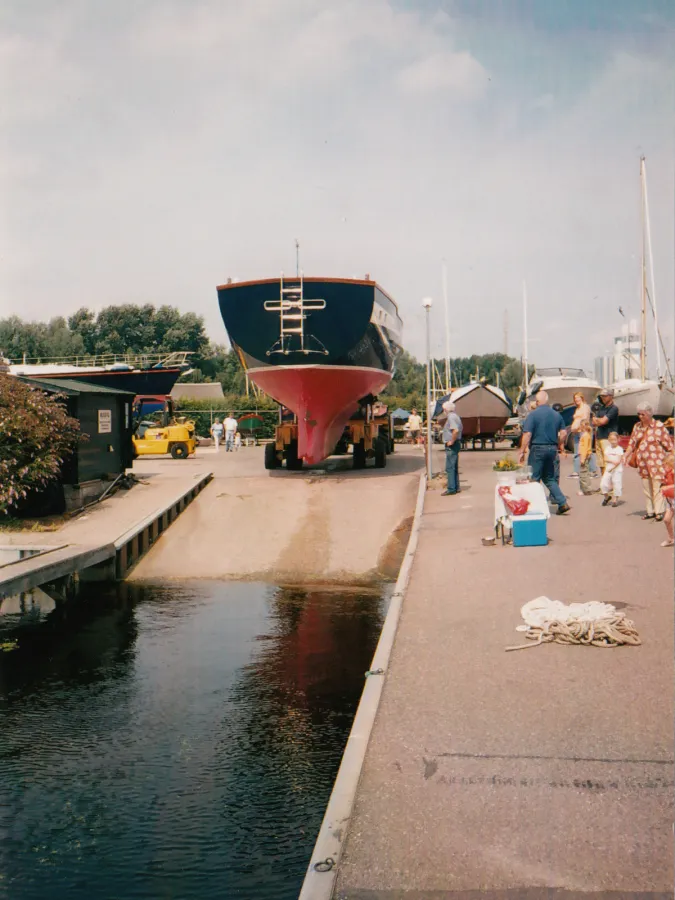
x: 594, y: 624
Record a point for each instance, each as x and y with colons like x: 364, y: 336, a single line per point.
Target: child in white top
x: 237, y: 441
x: 612, y: 481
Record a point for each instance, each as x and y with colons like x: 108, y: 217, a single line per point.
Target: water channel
x: 175, y: 741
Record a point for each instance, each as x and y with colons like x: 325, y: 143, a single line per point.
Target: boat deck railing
x: 135, y: 360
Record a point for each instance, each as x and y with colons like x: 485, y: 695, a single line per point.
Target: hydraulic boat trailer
x: 370, y: 432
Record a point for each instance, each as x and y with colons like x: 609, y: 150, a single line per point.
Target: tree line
x: 148, y: 329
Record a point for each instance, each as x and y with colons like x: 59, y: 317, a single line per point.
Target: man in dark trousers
x: 544, y: 435
x: 606, y: 421
x: 452, y: 438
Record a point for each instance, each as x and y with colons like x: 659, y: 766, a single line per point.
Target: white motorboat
x: 561, y: 384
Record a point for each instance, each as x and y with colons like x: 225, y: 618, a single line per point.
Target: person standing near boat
x: 452, y: 438
x: 414, y: 426
x: 606, y: 420
x: 217, y: 433
x: 648, y: 447
x: 581, y: 413
x: 544, y: 437
x: 230, y: 424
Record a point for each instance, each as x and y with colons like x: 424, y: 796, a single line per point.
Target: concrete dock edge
x: 322, y: 870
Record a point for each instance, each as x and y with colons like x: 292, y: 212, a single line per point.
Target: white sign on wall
x: 104, y: 421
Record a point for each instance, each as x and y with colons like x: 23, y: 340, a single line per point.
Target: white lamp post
x: 427, y: 303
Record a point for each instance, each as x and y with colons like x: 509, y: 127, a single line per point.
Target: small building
x: 105, y: 417
x: 212, y: 392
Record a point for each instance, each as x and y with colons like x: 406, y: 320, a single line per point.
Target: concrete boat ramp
x: 541, y: 773
x: 324, y: 524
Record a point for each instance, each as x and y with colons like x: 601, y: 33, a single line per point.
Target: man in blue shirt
x: 452, y: 438
x: 544, y: 435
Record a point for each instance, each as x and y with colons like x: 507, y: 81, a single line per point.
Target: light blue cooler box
x: 529, y: 530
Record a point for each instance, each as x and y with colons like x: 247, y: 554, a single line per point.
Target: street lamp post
x: 427, y: 304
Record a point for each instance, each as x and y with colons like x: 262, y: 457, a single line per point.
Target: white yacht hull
x: 628, y: 394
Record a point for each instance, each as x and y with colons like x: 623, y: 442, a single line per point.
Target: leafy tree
x: 83, y: 323
x: 37, y: 436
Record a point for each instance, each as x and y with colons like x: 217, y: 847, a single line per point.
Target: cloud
x: 150, y: 154
x: 458, y: 74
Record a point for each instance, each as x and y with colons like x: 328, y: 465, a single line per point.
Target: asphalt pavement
x: 546, y: 772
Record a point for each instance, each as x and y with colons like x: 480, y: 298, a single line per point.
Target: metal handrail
x: 137, y: 360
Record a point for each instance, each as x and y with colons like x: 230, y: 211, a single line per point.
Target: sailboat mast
x: 643, y: 299
x: 525, y: 367
x: 448, y: 386
x: 651, y: 272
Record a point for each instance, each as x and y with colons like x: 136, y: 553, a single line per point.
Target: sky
x: 150, y: 149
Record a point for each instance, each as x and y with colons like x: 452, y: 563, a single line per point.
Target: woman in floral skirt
x: 649, y: 445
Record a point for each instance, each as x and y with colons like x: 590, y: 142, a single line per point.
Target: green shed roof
x: 70, y: 387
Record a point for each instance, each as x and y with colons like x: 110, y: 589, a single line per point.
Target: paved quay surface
x: 323, y: 524
x: 501, y: 775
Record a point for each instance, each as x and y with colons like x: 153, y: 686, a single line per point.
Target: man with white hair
x: 452, y: 438
x: 544, y: 436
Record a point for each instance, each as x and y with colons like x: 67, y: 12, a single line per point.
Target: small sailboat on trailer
x: 630, y: 392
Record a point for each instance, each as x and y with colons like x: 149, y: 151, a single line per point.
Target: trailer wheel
x: 359, y: 455
x: 380, y: 449
x: 392, y: 444
x: 293, y: 461
x: 271, y: 458
x: 180, y: 451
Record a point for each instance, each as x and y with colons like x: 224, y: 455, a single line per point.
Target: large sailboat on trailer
x: 629, y: 392
x: 318, y: 346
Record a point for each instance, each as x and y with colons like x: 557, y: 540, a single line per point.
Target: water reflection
x: 176, y: 741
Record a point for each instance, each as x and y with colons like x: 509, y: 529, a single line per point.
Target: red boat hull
x: 323, y: 398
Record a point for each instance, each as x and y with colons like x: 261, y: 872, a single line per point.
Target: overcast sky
x: 152, y: 148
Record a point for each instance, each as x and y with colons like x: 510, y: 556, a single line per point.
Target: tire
x: 569, y: 443
x: 180, y: 451
x: 293, y: 462
x: 271, y: 458
x: 388, y: 443
x: 392, y: 445
x: 359, y: 456
x: 380, y: 449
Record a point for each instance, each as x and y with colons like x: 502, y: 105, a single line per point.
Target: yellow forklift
x: 158, y: 431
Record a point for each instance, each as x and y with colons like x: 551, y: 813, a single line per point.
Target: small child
x: 585, y: 453
x: 612, y: 480
x: 667, y: 490
x: 237, y: 441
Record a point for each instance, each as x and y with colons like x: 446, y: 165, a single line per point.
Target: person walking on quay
x: 230, y: 424
x: 414, y: 426
x: 606, y: 420
x: 544, y: 437
x: 217, y: 433
x: 649, y: 445
x: 585, y: 454
x: 452, y: 438
x: 668, y: 494
x: 611, y: 484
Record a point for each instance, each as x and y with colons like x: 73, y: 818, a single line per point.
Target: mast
x: 448, y: 386
x: 525, y: 367
x: 652, y: 296
x: 643, y: 270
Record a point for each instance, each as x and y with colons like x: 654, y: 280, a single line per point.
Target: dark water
x: 176, y: 741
